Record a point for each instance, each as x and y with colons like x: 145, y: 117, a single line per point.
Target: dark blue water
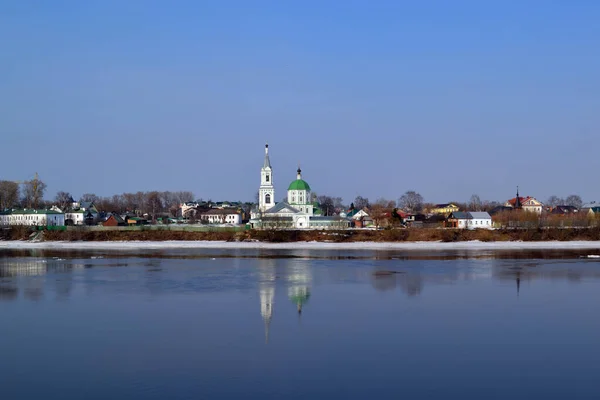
x: 180, y: 325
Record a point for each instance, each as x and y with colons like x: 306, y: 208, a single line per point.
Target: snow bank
x: 140, y: 245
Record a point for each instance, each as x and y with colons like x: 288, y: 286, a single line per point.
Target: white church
x: 297, y: 211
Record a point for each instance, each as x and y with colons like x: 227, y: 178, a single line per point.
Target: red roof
x: 521, y: 200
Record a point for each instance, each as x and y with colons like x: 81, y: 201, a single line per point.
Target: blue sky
x: 372, y: 98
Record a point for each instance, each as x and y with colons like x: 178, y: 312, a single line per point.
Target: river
x: 298, y: 324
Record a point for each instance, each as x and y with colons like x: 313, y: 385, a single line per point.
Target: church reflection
x: 299, y: 279
x: 294, y: 274
x: 266, y: 276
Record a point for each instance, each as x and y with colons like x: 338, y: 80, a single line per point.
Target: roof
x: 117, y: 217
x: 220, y: 211
x: 31, y: 211
x: 267, y: 163
x: 460, y: 215
x: 445, y: 205
x: 564, y: 210
x: 480, y: 215
x: 299, y: 184
x: 280, y: 207
x: 352, y: 213
x: 522, y: 200
x: 470, y: 215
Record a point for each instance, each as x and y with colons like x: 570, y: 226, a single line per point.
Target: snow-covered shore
x: 141, y: 245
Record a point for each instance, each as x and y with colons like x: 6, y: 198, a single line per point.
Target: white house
x: 480, y: 220
x: 84, y: 211
x: 469, y: 220
x: 221, y: 216
x: 32, y: 218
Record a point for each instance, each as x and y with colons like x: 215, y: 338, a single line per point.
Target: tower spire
x: 298, y: 172
x: 267, y: 163
x: 518, y: 204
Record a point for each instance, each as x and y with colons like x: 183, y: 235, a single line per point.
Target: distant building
x: 446, y: 208
x: 32, y: 217
x: 469, y: 220
x: 529, y: 204
x: 564, y: 210
x: 81, y: 213
x: 297, y: 211
x: 221, y: 216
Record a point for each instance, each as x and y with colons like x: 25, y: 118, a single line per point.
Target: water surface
x: 210, y: 324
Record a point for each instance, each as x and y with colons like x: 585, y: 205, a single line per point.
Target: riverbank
x: 93, y: 234
x: 348, y: 239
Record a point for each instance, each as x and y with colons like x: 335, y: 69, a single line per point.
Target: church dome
x: 299, y: 184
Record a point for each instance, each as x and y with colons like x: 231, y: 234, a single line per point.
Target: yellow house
x: 447, y: 208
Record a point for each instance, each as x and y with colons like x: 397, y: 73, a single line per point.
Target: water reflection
x: 8, y: 293
x: 299, y: 280
x: 31, y: 277
x: 267, y: 293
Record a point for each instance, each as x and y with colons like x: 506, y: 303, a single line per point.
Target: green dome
x: 299, y: 184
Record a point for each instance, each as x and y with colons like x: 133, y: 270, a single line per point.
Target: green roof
x: 299, y: 184
x: 30, y: 211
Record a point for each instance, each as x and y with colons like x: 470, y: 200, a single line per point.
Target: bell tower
x: 266, y: 192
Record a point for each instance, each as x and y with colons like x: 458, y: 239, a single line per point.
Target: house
x: 221, y: 216
x: 358, y: 218
x: 82, y: 213
x: 188, y: 208
x: 446, y: 208
x: 114, y: 220
x: 469, y: 220
x: 564, y: 210
x: 136, y: 221
x: 529, y: 204
x: 593, y: 208
x: 32, y: 217
x: 458, y: 219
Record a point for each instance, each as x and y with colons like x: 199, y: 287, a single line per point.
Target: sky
x: 377, y: 98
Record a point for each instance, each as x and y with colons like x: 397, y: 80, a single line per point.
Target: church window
x: 267, y: 198
x: 267, y: 177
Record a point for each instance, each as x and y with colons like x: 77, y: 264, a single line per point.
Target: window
x: 267, y: 177
x: 267, y: 198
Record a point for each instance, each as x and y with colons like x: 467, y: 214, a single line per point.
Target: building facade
x: 30, y: 217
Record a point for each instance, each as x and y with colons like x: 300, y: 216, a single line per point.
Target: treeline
x: 30, y: 194
x: 153, y: 202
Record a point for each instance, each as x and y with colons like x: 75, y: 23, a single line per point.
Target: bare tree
x: 554, y: 201
x: 89, y: 197
x: 154, y: 202
x: 475, y: 203
x: 338, y: 205
x: 9, y: 194
x: 574, y: 200
x: 185, y: 196
x: 381, y: 210
x: 327, y: 205
x: 63, y: 200
x: 33, y: 192
x: 411, y: 201
x: 361, y: 202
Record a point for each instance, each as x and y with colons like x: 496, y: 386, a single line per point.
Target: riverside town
x: 22, y: 204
